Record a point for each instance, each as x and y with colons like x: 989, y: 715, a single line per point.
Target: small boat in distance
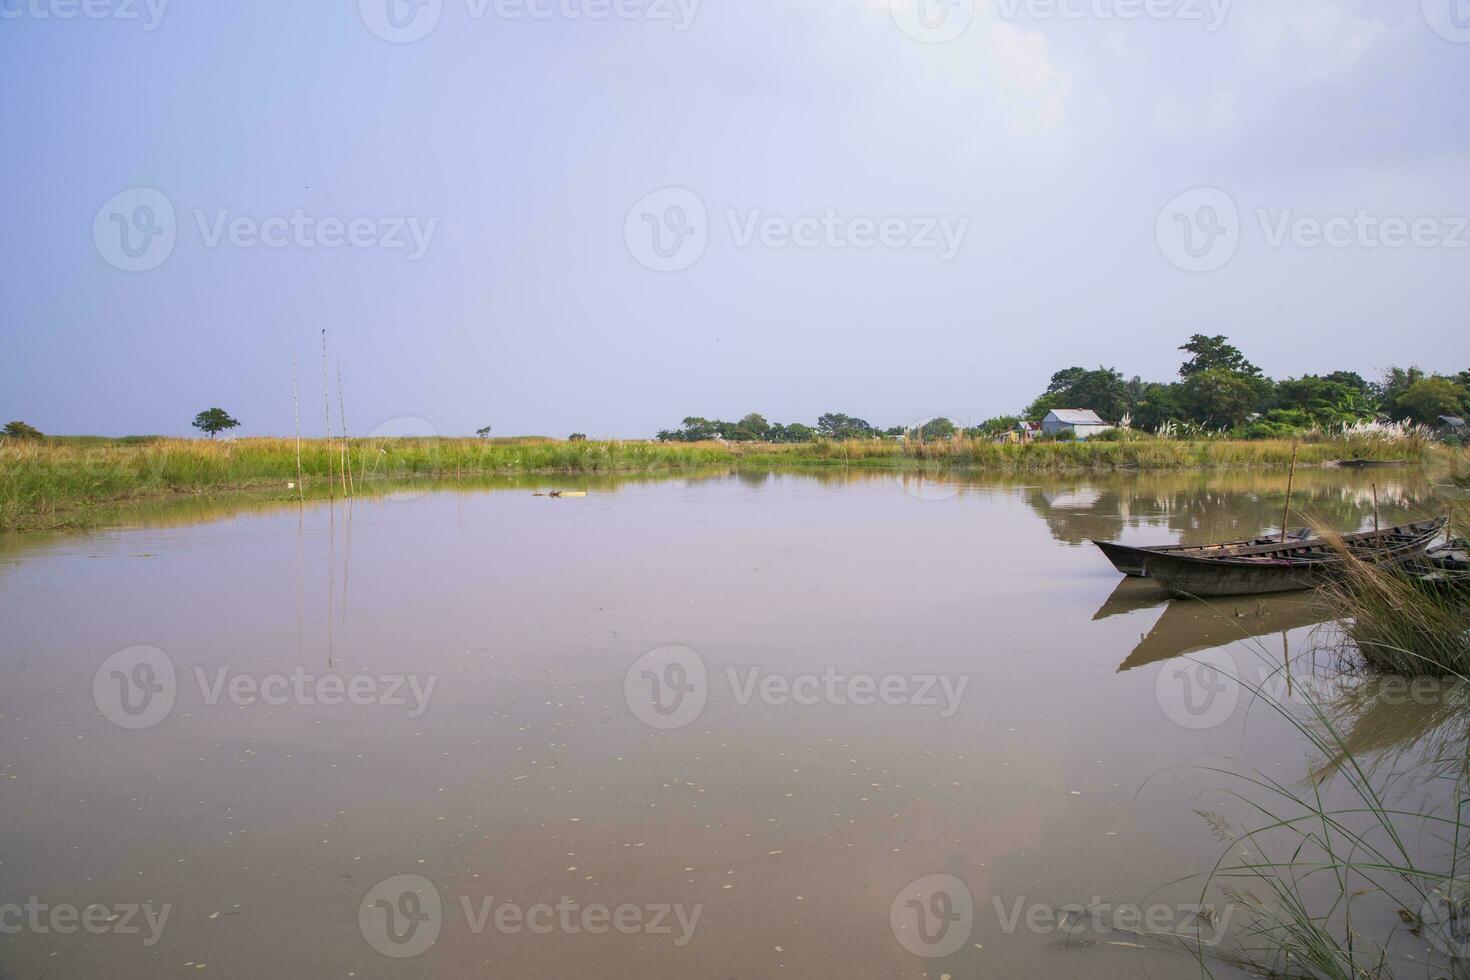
x: 1130, y: 561
x: 1369, y: 464
x: 1234, y: 569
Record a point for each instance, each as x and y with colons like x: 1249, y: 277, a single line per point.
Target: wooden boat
x: 1368, y: 464
x: 1130, y: 561
x: 1278, y: 567
x: 1443, y: 569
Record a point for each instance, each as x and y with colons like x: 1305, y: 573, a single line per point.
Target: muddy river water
x: 732, y: 725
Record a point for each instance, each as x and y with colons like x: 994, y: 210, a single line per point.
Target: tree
x: 994, y: 427
x: 1218, y: 398
x: 1215, y: 353
x: 20, y: 430
x: 1427, y: 400
x: 752, y: 428
x: 483, y: 433
x: 1154, y: 404
x: 213, y: 421
x: 795, y: 432
x: 1103, y: 391
x: 835, y: 425
x: 577, y: 437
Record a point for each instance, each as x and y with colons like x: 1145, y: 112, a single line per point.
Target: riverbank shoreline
x: 61, y: 483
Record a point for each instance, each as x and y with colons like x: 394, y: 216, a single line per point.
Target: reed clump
x: 1395, y: 622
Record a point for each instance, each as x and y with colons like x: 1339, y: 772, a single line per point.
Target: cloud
x: 1311, y: 40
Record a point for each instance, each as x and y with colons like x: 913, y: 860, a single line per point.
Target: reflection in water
x: 1199, y: 508
x: 1191, y: 625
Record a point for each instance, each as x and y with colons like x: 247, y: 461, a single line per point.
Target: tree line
x: 1218, y: 389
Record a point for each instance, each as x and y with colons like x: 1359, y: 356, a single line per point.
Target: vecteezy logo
x: 668, y: 230
x: 1450, y: 19
x: 401, y: 916
x: 667, y: 688
x: 932, y: 21
x: 135, y: 688
x: 933, y: 916
x: 1200, y: 691
x: 1199, y: 231
x: 136, y: 230
x: 401, y: 21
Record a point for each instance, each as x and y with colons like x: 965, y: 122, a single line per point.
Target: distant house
x: 1081, y: 422
x: 1020, y: 432
x: 1452, y: 425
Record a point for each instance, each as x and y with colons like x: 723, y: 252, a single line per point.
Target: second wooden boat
x: 1259, y: 569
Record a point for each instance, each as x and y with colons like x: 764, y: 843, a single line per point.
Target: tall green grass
x: 54, y: 481
x: 1341, y: 876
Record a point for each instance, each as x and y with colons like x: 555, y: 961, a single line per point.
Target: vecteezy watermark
x: 149, y: 13
x: 933, y: 916
x: 668, y: 688
x: 669, y: 230
x: 932, y: 21
x: 64, y: 919
x: 406, y: 21
x: 1201, y: 230
x: 1450, y: 19
x: 1100, y: 920
x: 403, y: 916
x: 1204, y: 690
x: 136, y: 230
x: 1211, y: 14
x: 138, y: 688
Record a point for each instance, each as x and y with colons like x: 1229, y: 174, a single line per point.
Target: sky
x: 602, y: 216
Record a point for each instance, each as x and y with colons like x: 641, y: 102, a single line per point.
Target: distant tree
x: 1218, y: 398
x: 752, y: 428
x: 483, y: 433
x: 835, y: 425
x: 994, y: 427
x: 1154, y: 404
x: 1350, y: 379
x: 940, y: 428
x: 1428, y: 399
x: 1215, y: 353
x: 794, y: 432
x: 1104, y: 391
x: 577, y: 437
x: 20, y: 430
x: 213, y: 421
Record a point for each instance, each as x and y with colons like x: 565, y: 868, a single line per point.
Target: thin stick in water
x: 296, y: 409
x: 1290, y: 479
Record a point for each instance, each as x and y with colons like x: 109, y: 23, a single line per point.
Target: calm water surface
x: 505, y: 736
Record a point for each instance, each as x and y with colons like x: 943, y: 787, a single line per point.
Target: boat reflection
x: 1191, y: 625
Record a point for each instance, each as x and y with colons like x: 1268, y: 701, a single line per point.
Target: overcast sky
x: 616, y: 213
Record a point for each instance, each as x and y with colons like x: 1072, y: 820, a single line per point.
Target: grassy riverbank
x: 61, y: 482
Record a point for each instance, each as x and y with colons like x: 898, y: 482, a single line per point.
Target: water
x: 461, y: 686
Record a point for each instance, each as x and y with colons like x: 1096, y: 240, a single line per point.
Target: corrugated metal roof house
x: 1081, y: 422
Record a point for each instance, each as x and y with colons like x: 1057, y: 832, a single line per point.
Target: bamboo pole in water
x: 327, y: 409
x: 1290, y: 479
x: 348, y: 484
x: 296, y: 409
x: 1377, y: 525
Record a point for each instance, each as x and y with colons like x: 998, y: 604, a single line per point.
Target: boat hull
x: 1311, y: 566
